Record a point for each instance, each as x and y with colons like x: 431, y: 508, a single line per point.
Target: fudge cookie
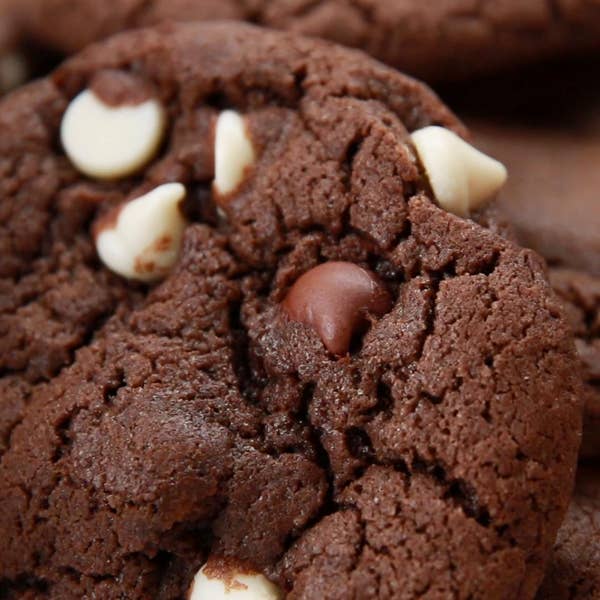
x: 282, y: 363
x: 434, y: 40
x: 547, y: 167
x: 574, y: 570
x: 552, y: 199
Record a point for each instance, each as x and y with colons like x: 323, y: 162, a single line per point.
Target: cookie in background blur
x: 436, y: 41
x: 574, y: 571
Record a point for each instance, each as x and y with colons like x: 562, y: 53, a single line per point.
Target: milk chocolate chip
x: 336, y: 299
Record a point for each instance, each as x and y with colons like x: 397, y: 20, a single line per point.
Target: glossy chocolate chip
x: 336, y: 299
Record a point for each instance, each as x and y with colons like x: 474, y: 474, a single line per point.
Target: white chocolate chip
x: 236, y: 586
x: 108, y: 142
x: 234, y: 151
x: 13, y: 71
x: 143, y: 243
x: 461, y: 177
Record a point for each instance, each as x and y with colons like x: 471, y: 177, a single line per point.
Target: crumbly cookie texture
x: 546, y: 165
x: 148, y: 431
x: 433, y: 40
x: 574, y: 569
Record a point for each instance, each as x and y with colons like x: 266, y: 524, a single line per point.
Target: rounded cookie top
x: 336, y: 383
x: 436, y: 40
x: 551, y: 198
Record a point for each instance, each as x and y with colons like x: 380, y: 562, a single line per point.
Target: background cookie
x: 422, y: 440
x: 574, y: 571
x: 13, y: 67
x: 435, y: 40
x: 544, y: 124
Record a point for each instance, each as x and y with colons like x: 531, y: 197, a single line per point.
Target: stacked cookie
x: 264, y: 331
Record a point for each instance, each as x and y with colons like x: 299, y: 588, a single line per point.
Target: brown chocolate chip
x: 336, y: 299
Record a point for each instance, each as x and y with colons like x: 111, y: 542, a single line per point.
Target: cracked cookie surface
x: 547, y: 165
x: 434, y: 40
x: 195, y: 419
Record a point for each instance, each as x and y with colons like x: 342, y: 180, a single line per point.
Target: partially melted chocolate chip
x: 336, y: 299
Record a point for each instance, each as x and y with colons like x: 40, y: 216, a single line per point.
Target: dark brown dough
x: 434, y: 460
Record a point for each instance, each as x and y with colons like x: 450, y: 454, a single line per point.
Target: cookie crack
x: 456, y: 489
x: 26, y: 582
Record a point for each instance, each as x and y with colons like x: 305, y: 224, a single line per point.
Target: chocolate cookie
x: 434, y: 40
x: 552, y: 198
x: 546, y: 168
x: 574, y: 570
x: 247, y: 345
